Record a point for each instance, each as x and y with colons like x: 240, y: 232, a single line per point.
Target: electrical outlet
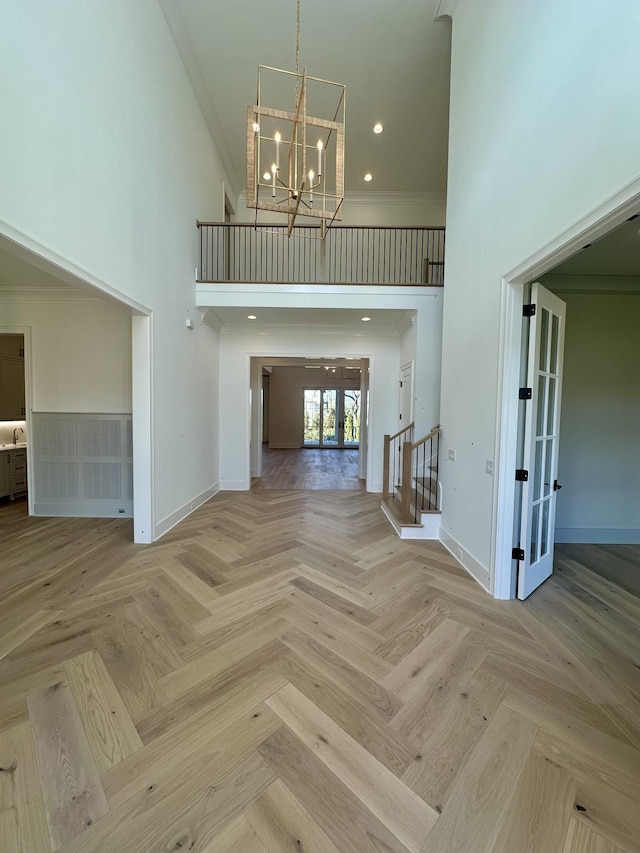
x: 452, y: 455
x: 489, y: 466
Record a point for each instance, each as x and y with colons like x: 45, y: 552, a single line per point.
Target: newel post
x: 385, y: 466
x: 407, y: 448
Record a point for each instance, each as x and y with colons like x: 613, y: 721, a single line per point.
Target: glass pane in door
x: 311, y: 417
x: 351, y: 417
x: 329, y: 417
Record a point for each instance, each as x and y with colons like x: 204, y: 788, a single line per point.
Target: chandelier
x: 295, y: 154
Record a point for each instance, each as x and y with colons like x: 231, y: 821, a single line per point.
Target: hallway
x: 281, y: 672
x: 309, y: 468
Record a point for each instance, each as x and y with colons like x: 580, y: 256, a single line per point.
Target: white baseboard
x: 235, y: 486
x: 375, y: 488
x: 477, y: 571
x: 82, y: 509
x: 430, y: 526
x: 180, y: 514
x: 598, y: 535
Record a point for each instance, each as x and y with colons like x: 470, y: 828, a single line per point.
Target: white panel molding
x: 477, y: 571
x: 598, y: 535
x: 185, y: 510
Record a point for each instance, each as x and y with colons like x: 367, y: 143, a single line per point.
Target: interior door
x: 406, y: 395
x: 541, y: 439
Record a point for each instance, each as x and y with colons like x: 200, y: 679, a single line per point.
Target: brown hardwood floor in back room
x: 281, y: 673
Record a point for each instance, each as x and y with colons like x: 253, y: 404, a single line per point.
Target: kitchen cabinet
x: 18, y: 472
x: 12, y: 397
x: 12, y: 385
x: 5, y: 477
x: 12, y: 346
x: 13, y: 472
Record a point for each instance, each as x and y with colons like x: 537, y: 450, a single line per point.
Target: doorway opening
x: 304, y: 408
x: 568, y: 265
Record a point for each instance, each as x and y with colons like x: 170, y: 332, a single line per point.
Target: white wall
x: 599, y: 463
x: 235, y: 353
x: 80, y: 354
x: 110, y: 165
x: 544, y: 126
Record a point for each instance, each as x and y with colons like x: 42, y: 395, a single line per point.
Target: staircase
x: 410, y: 492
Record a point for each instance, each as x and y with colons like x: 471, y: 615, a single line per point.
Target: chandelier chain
x: 297, y: 36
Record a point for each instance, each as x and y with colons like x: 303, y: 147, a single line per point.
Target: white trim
x: 234, y: 486
x: 45, y: 258
x: 598, y: 535
x: 595, y: 224
x: 477, y: 571
x: 429, y: 529
x: 83, y: 509
x: 182, y: 512
x: 445, y: 9
x: 142, y: 428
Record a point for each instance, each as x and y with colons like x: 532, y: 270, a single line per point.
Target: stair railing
x: 392, y: 465
x: 420, y: 468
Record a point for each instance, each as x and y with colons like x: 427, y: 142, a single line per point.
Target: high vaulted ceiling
x: 393, y: 57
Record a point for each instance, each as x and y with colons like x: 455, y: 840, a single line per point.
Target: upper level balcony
x: 350, y: 255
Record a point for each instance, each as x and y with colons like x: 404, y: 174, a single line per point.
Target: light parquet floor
x: 310, y: 468
x: 281, y: 673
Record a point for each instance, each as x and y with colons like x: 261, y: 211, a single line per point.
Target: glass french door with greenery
x: 331, y: 417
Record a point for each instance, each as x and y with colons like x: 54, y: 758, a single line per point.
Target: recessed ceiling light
x: 378, y: 128
x: 251, y: 317
x: 267, y: 176
x: 368, y: 176
x: 365, y: 319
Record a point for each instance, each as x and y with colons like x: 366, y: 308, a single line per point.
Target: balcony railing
x: 233, y: 252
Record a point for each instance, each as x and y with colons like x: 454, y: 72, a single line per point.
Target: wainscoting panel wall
x: 82, y: 464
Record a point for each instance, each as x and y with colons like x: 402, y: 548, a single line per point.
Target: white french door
x: 331, y: 417
x: 541, y: 439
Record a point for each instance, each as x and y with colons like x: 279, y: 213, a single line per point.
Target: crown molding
x: 444, y: 9
x: 363, y: 197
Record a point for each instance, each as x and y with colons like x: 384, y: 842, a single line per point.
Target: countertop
x: 13, y: 446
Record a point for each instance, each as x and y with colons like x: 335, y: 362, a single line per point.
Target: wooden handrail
x: 391, y: 437
x: 387, y: 457
x: 333, y: 227
x: 432, y: 434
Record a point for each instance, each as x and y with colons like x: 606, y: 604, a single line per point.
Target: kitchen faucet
x: 15, y: 434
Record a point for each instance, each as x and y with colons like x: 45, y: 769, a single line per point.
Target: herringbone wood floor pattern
x: 281, y: 673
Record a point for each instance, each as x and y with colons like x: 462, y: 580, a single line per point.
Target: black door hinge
x: 525, y: 393
x: 522, y: 475
x: 529, y: 310
x: 517, y: 554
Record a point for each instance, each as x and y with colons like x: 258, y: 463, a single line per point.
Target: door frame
x: 597, y: 223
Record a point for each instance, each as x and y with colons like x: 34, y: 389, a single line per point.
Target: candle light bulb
x: 256, y: 127
x: 277, y: 138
